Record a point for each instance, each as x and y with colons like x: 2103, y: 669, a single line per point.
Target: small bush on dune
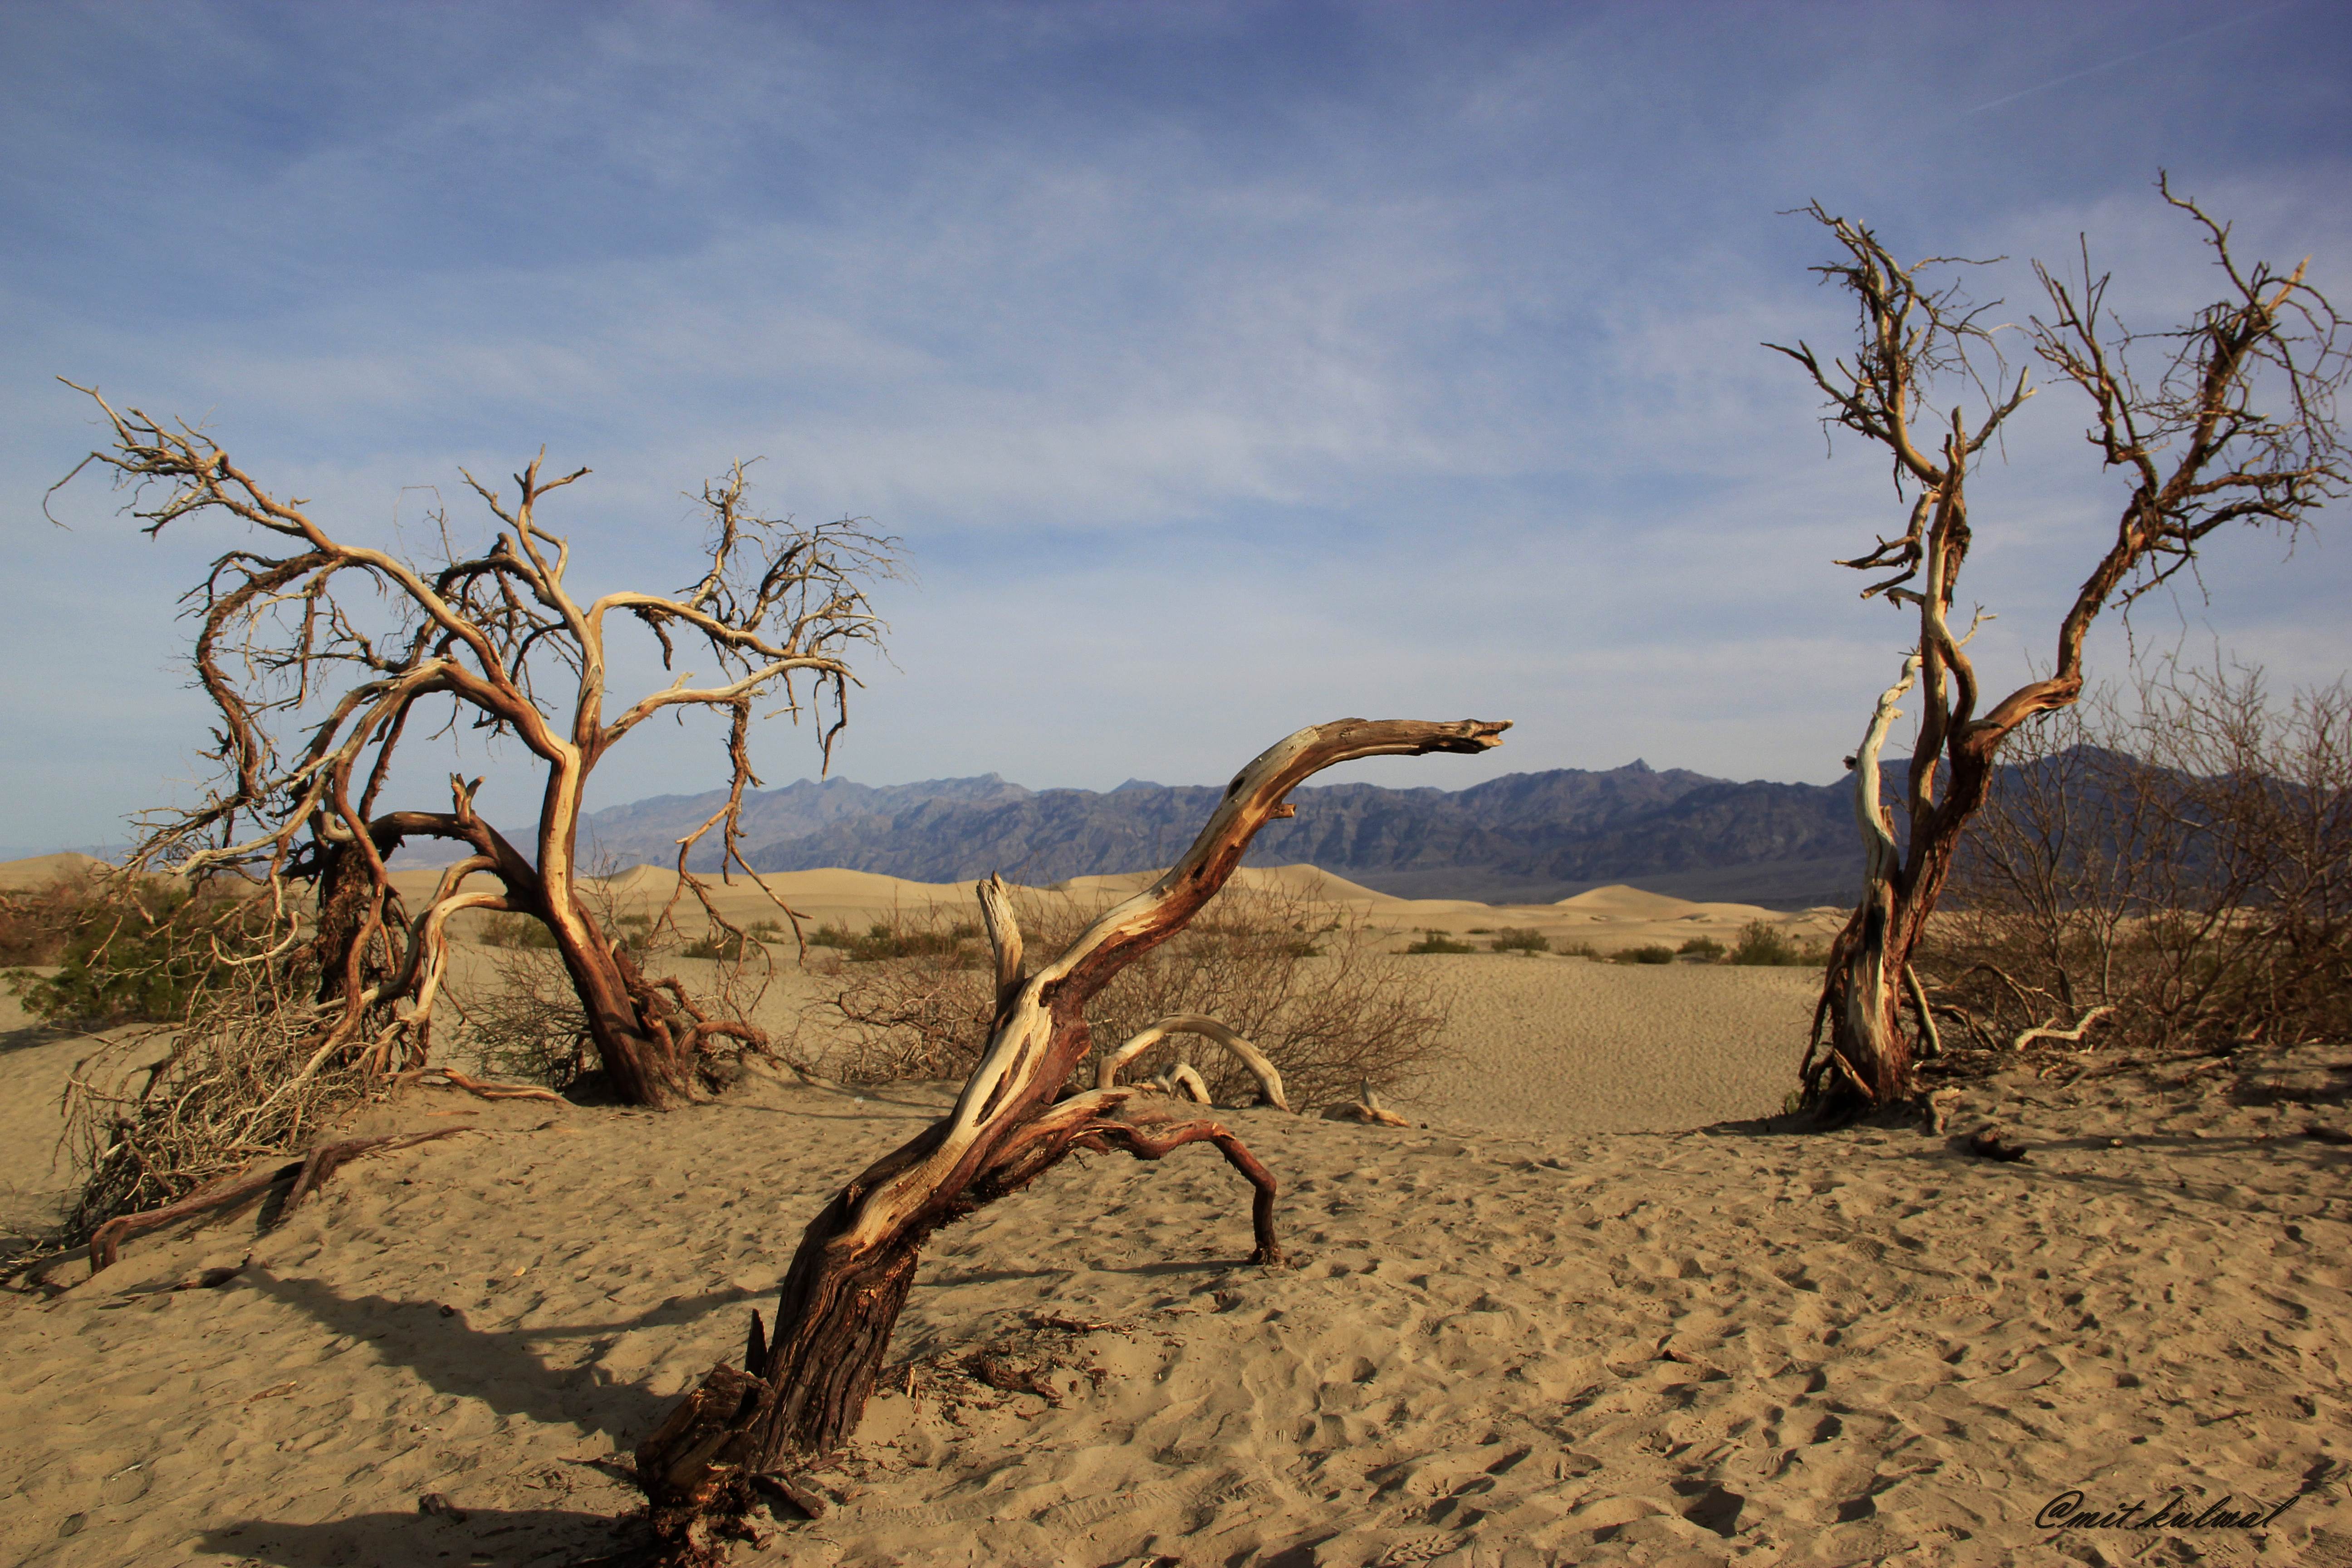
x: 729, y: 947
x: 1652, y: 955
x: 1433, y: 940
x: 37, y: 925
x: 905, y: 935
x: 126, y: 952
x: 1520, y: 938
x: 1308, y: 982
x: 1763, y: 944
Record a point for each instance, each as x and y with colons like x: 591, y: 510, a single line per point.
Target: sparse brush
x: 1433, y: 940
x: 906, y: 935
x: 1308, y: 982
x: 2184, y: 863
x: 517, y: 931
x: 527, y: 1023
x: 1655, y: 954
x: 732, y: 947
x: 1520, y: 938
x: 1762, y: 944
x: 132, y: 950
x: 37, y: 923
x: 1702, y: 947
x: 243, y: 1075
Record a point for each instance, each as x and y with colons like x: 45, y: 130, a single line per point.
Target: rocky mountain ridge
x: 1523, y: 837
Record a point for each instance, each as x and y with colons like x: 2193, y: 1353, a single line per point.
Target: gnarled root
x: 307, y: 1175
x: 1367, y: 1110
x: 437, y: 1077
x: 1150, y: 1141
x: 1269, y: 1081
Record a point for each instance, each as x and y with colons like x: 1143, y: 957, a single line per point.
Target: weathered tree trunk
x: 2198, y: 454
x: 807, y: 1387
x: 1870, y: 1059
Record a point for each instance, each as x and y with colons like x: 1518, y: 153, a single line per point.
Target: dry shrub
x: 37, y: 923
x: 2185, y: 861
x: 524, y: 1020
x: 1306, y: 980
x: 522, y: 1014
x: 239, y: 1079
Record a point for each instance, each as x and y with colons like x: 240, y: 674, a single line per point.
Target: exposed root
x: 1148, y: 1142
x: 2050, y: 1031
x: 1185, y: 1079
x: 434, y: 1077
x: 1368, y: 1109
x: 1269, y: 1081
x: 307, y: 1175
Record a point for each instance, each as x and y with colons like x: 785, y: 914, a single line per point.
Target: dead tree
x: 315, y: 688
x: 2237, y: 426
x: 1020, y: 1112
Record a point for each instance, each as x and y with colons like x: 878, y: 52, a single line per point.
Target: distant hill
x: 1522, y: 837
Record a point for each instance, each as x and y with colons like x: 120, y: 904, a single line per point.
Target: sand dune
x: 42, y: 870
x: 1566, y: 1321
x: 1682, y: 1346
x: 1606, y: 919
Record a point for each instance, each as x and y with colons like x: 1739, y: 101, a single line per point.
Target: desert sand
x: 1580, y: 1311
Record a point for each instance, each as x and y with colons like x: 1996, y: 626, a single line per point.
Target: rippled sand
x: 1566, y: 1321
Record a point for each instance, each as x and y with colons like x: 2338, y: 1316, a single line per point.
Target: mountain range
x: 1520, y: 838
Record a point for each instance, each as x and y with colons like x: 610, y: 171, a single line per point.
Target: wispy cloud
x: 1225, y: 366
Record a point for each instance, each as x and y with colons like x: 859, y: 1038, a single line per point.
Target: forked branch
x: 1014, y: 1120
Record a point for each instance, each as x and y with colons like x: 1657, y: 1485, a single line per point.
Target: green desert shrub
x: 1705, y: 948
x: 517, y: 931
x: 37, y: 923
x: 905, y: 935
x: 135, y: 954
x: 1765, y: 945
x: 1653, y: 953
x: 1520, y: 938
x: 1433, y: 940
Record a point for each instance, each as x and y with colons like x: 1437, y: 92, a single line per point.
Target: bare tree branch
x: 315, y: 688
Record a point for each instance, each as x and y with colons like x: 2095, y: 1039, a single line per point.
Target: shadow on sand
x: 512, y: 1538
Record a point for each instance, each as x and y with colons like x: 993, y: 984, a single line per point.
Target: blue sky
x: 1224, y: 367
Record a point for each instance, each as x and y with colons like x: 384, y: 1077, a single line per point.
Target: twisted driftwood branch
x: 2051, y: 1032
x: 808, y: 1383
x: 1269, y: 1081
